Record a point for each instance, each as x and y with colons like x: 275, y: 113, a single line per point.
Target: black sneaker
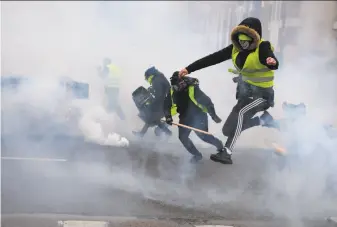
x: 266, y: 120
x: 195, y: 159
x: 224, y: 156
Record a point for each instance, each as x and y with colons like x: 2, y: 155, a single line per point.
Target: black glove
x: 211, y: 112
x: 216, y: 119
x: 169, y: 120
x: 236, y: 79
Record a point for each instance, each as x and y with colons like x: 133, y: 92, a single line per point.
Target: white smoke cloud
x: 47, y: 40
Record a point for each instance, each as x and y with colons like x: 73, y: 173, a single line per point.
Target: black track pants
x: 241, y: 118
x: 199, y: 121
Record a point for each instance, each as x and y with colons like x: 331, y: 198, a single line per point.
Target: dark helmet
x: 175, y: 78
x: 150, y: 71
x: 178, y: 83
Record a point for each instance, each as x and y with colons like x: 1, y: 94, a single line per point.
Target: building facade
x: 291, y: 26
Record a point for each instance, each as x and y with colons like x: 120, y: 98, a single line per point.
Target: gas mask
x: 244, y: 44
x: 245, y: 41
x: 178, y: 84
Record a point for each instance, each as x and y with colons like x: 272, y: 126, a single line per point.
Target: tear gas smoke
x: 46, y: 40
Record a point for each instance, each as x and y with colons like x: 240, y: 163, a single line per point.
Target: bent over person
x: 151, y: 106
x: 187, y: 99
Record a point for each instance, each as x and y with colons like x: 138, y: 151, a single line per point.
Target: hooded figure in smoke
x: 187, y: 99
x: 254, y: 63
x: 150, y: 102
x: 111, y: 75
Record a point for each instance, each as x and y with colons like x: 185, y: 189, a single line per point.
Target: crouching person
x: 187, y: 99
x: 150, y: 102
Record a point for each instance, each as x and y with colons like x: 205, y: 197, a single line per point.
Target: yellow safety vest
x: 191, y: 95
x: 253, y: 72
x: 149, y: 79
x: 113, y: 79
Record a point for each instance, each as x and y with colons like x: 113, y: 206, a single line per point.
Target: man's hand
x: 169, y: 120
x: 183, y: 72
x: 216, y: 119
x: 236, y: 79
x: 271, y: 61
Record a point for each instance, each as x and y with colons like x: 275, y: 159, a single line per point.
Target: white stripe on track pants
x: 241, y: 118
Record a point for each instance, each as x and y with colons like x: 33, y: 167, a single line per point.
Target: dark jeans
x: 199, y: 121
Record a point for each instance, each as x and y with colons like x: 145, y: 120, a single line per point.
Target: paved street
x: 144, y: 181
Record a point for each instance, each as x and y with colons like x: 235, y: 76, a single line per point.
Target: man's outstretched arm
x: 212, y: 59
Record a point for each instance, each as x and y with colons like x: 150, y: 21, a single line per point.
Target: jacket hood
x: 175, y: 80
x: 251, y: 27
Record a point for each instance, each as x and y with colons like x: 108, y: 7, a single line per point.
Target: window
x: 292, y: 9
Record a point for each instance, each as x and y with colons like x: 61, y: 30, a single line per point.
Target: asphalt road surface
x: 69, y: 176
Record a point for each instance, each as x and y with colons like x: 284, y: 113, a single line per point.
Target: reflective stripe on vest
x: 253, y: 72
x: 174, y: 106
x: 253, y: 79
x: 191, y: 96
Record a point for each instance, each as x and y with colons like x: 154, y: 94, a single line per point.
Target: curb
x: 213, y: 226
x: 81, y: 223
x: 119, y: 223
x: 78, y: 223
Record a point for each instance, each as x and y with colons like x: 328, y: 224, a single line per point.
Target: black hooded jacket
x: 185, y: 106
x: 265, y: 50
x: 160, y: 87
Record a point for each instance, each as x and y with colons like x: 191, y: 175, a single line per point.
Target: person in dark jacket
x: 186, y: 98
x: 153, y: 111
x: 254, y: 63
